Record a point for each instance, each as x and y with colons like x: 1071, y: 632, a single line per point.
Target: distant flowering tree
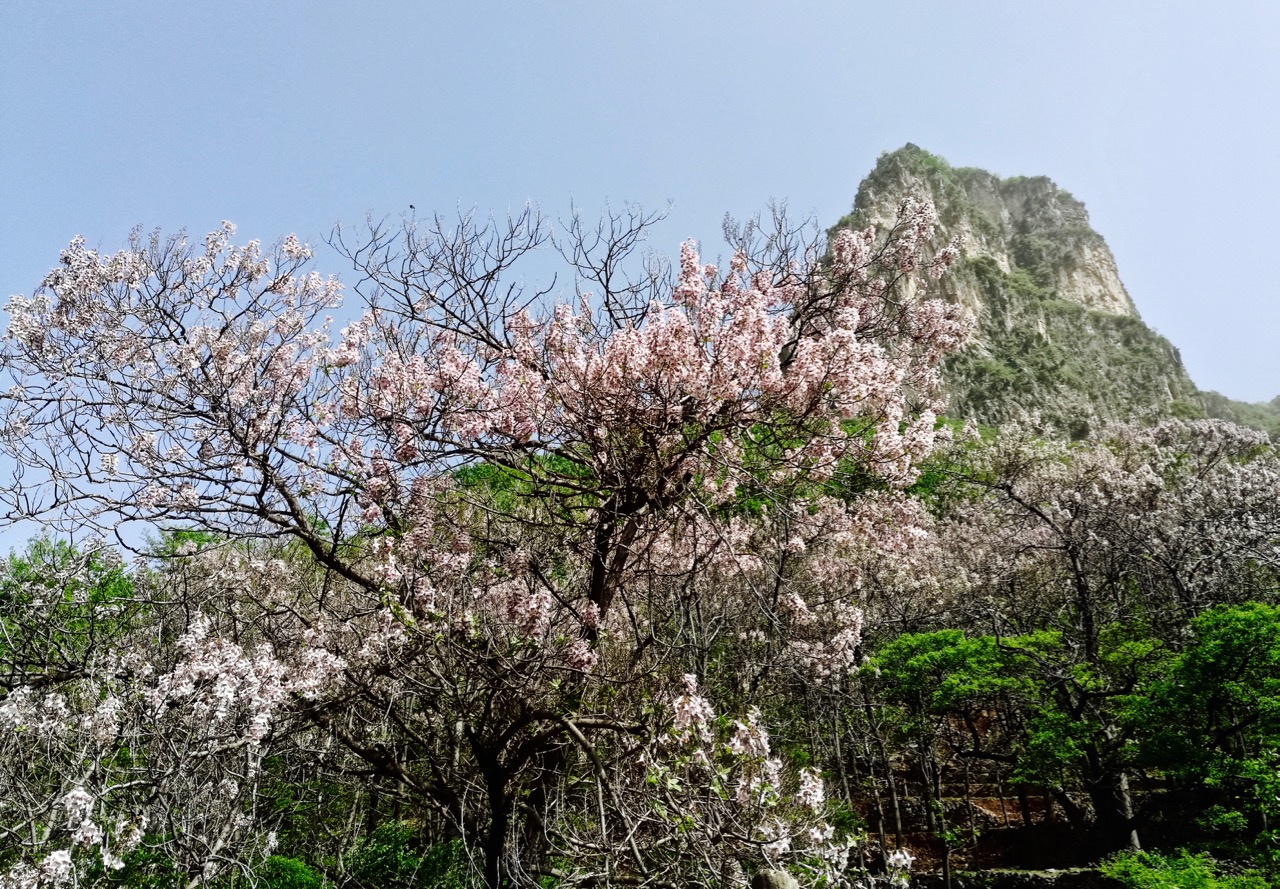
x: 153, y: 727
x: 1100, y: 555
x: 1180, y: 514
x: 523, y: 520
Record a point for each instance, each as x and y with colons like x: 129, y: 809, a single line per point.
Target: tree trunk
x: 1113, y: 812
x: 969, y: 805
x: 1126, y: 809
x: 941, y: 818
x: 888, y: 767
x: 1004, y: 810
x: 876, y: 798
x: 496, y: 779
x: 495, y: 844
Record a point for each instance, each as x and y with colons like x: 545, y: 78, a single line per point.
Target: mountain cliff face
x: 1057, y: 334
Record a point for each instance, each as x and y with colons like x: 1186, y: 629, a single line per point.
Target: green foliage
x: 1224, y: 687
x: 547, y: 481
x: 1146, y: 870
x: 1212, y: 724
x: 88, y: 596
x: 387, y: 858
x: 497, y: 485
x: 288, y: 873
x: 846, y: 820
x: 936, y: 486
x: 944, y: 671
x: 56, y: 565
x: 1263, y: 415
x: 393, y: 857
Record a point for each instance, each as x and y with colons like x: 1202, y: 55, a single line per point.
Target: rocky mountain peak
x: 1057, y: 333
x: 1023, y: 222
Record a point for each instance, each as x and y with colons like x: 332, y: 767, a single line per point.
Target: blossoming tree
x: 510, y: 523
x: 1079, y: 568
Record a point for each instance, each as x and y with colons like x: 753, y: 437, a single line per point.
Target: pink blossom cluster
x: 812, y: 793
x: 223, y: 685
x: 691, y: 714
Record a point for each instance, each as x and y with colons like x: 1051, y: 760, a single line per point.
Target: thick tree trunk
x: 495, y: 843
x: 551, y: 765
x: 494, y: 839
x: 1113, y: 812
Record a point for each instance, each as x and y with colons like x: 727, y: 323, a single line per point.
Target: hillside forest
x: 685, y: 578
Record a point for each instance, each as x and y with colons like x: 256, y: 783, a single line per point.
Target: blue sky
x: 291, y: 116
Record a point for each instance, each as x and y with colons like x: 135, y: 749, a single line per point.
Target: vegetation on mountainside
x: 1263, y: 415
x: 1038, y: 354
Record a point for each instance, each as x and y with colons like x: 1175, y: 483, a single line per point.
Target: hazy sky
x: 1163, y: 117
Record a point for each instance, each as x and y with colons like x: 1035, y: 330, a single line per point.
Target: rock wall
x: 1057, y: 333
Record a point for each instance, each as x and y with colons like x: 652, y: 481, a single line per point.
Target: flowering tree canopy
x: 503, y: 525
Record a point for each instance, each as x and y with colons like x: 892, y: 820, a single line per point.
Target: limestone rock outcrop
x: 1057, y: 334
